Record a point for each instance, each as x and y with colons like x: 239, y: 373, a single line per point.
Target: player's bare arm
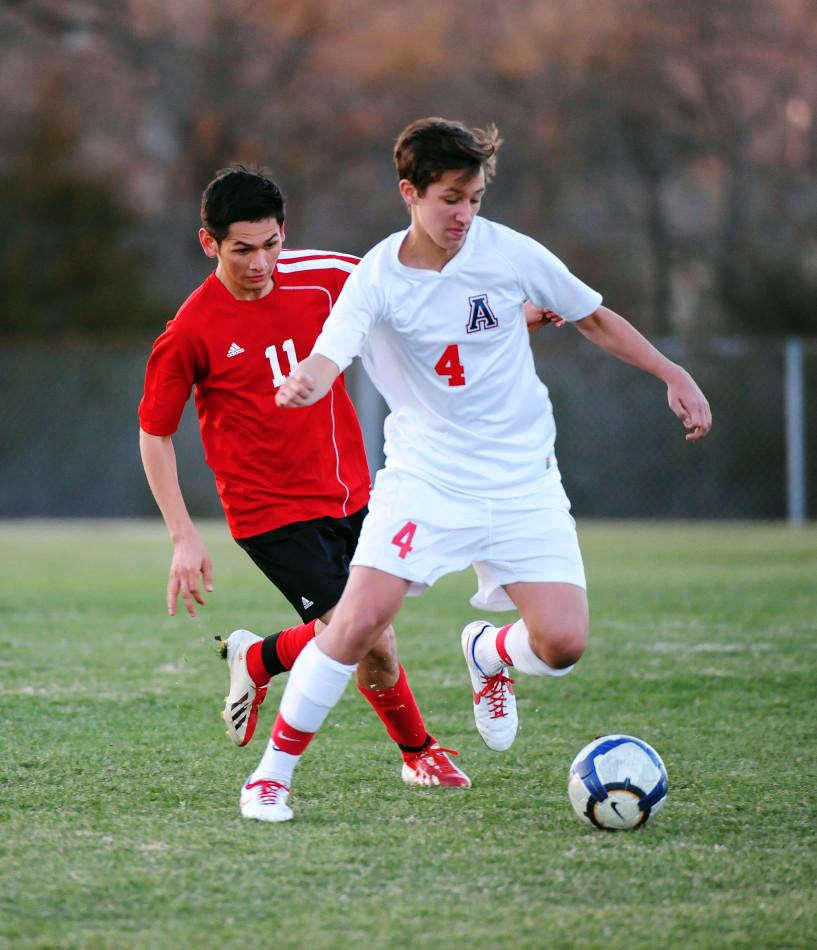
x: 190, y: 566
x: 310, y: 382
x: 620, y: 338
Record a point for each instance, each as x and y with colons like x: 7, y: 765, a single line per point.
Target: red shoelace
x: 435, y: 761
x: 270, y: 790
x: 438, y: 755
x: 495, y: 692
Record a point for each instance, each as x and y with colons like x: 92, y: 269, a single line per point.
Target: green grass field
x: 119, y: 823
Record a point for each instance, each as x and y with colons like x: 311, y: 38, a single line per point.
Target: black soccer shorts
x: 308, y: 561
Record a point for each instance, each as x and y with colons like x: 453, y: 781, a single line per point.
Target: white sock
x: 315, y: 686
x: 316, y: 683
x: 485, y: 653
x: 275, y: 765
x: 518, y: 648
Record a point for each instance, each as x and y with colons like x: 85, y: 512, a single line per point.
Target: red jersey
x: 273, y: 466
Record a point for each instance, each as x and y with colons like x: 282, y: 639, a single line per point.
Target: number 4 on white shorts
x: 404, y: 537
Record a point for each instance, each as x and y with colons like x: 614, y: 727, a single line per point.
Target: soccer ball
x: 617, y: 782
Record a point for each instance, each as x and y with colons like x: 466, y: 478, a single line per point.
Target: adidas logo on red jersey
x: 234, y: 350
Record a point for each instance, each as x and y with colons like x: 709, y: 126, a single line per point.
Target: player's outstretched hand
x: 537, y: 317
x: 190, y: 561
x: 296, y: 390
x: 690, y: 405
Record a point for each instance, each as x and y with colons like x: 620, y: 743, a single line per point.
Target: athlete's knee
x: 560, y: 644
x: 369, y: 603
x: 367, y: 629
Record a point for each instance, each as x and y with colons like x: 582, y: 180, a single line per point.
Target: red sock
x: 288, y: 739
x: 290, y: 642
x: 500, y: 645
x: 275, y: 654
x: 255, y: 665
x: 398, y: 712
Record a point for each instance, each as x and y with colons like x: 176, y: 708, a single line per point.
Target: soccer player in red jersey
x: 294, y: 486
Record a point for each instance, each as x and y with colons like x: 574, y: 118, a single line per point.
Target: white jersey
x: 450, y: 353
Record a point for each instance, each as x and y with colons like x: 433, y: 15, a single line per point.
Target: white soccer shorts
x: 420, y: 532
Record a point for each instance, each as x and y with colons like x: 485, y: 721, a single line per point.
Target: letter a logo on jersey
x: 481, y: 316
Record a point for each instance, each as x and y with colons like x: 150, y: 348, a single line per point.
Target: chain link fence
x: 69, y: 432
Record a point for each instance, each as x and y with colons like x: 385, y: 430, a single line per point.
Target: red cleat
x: 433, y: 768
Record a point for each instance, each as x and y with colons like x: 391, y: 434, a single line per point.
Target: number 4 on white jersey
x: 449, y: 365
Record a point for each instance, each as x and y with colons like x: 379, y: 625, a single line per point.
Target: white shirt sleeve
x: 547, y: 282
x: 351, y: 319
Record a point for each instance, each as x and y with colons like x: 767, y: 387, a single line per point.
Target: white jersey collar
x: 421, y: 273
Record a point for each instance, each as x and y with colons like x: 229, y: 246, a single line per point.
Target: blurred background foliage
x: 667, y: 150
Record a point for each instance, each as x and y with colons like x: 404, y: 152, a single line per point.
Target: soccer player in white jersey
x: 435, y: 312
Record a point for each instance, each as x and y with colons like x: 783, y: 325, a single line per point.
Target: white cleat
x: 494, y: 701
x: 241, y: 704
x: 265, y: 800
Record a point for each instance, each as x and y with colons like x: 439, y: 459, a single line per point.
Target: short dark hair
x: 428, y: 148
x: 239, y: 193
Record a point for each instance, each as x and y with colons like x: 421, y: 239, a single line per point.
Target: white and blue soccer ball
x: 617, y: 783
